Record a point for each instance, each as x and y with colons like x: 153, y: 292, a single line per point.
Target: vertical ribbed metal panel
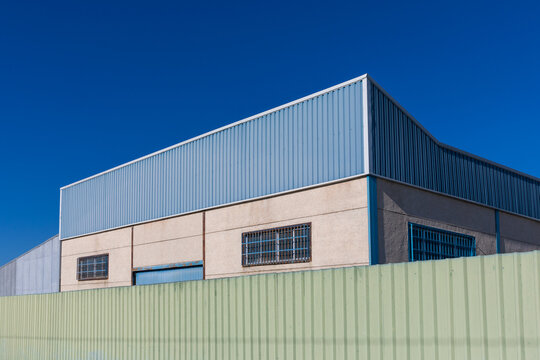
x: 311, y: 142
x: 38, y: 271
x: 35, y: 272
x: 403, y: 151
x: 8, y: 277
x: 467, y: 308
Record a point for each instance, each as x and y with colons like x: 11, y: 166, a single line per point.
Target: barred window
x: 288, y: 244
x: 427, y: 243
x: 93, y: 267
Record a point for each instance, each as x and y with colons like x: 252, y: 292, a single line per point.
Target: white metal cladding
x: 35, y: 272
x: 316, y: 140
x: 8, y: 275
x: 404, y: 151
x: 38, y: 271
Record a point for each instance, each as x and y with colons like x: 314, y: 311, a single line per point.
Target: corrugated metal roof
x: 314, y: 140
x: 403, y: 150
x: 467, y: 308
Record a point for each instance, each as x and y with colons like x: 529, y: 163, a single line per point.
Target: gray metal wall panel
x: 35, y: 272
x: 8, y: 275
x: 403, y: 151
x: 311, y: 142
x: 38, y: 271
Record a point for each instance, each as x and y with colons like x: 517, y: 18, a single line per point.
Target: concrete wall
x: 116, y: 243
x: 399, y: 204
x: 518, y: 233
x: 338, y: 214
x: 161, y: 242
x: 168, y: 241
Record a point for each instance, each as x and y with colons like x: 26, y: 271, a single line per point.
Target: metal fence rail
x: 466, y: 308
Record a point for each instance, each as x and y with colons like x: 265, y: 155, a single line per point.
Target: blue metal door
x: 169, y: 275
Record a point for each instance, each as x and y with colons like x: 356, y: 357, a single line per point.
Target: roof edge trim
x: 449, y: 147
x: 30, y: 250
x: 308, y: 97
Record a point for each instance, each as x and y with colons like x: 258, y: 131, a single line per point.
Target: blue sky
x: 85, y: 86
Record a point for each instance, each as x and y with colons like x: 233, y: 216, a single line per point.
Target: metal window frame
x: 93, y: 278
x: 309, y: 226
x: 411, y: 226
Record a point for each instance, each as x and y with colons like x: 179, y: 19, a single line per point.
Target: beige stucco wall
x: 518, y: 233
x: 338, y: 214
x: 168, y: 241
x: 116, y: 243
x: 399, y: 204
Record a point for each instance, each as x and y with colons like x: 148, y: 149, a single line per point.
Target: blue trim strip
x: 169, y: 266
x: 411, y: 247
x: 498, y: 231
x: 373, y: 230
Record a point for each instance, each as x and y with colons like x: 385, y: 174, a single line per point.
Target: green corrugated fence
x: 468, y: 308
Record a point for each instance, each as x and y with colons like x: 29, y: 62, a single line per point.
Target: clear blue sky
x: 85, y: 86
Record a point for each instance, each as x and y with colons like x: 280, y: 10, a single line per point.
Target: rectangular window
x: 288, y: 244
x: 427, y: 243
x: 93, y: 267
x: 187, y: 273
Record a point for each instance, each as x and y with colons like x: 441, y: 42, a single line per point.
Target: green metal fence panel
x: 466, y: 308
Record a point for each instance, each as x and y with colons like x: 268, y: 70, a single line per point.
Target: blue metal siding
x: 311, y: 142
x: 498, y: 231
x: 403, y: 151
x: 35, y: 272
x: 373, y: 217
x: 169, y: 275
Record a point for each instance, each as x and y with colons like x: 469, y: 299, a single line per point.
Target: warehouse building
x: 343, y: 177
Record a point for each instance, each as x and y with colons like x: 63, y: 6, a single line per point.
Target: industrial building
x: 343, y: 177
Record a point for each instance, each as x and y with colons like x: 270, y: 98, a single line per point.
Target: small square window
x: 93, y: 267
